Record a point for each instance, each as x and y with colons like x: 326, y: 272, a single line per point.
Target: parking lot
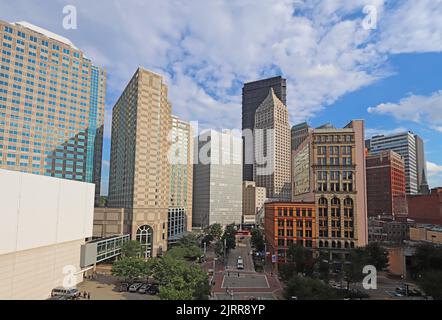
x: 108, y: 288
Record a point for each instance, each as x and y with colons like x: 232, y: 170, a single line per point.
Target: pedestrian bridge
x: 101, y: 250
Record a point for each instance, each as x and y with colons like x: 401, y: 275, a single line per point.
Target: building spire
x: 424, y: 188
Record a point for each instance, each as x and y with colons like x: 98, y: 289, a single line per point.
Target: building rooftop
x: 46, y: 33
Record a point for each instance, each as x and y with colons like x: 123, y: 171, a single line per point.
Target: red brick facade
x: 386, y: 188
x: 289, y: 223
x: 426, y: 208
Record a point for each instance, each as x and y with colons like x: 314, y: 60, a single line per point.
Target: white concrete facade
x: 44, y: 223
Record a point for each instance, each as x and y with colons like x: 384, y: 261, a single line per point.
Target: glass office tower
x: 51, y: 105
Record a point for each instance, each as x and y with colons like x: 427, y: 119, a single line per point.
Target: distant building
x: 385, y: 229
x: 52, y: 101
x: 328, y: 168
x: 272, y: 148
x: 426, y: 208
x: 299, y: 133
x: 289, y: 223
x: 139, y: 178
x: 253, y: 199
x: 426, y: 233
x: 386, y: 193
x: 181, y: 180
x: 45, y: 222
x: 253, y: 95
x: 411, y: 148
x: 217, y: 180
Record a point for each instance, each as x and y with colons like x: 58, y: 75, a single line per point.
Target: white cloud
x: 207, y: 49
x: 426, y: 110
x: 433, y: 169
x: 415, y: 26
x: 434, y: 174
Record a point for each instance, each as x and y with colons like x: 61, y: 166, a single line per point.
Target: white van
x: 70, y: 293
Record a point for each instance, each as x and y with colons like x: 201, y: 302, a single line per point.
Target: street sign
x: 274, y: 258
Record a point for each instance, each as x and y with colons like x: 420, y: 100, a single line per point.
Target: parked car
x: 153, y: 290
x: 135, y: 287
x: 70, y: 293
x: 124, y: 287
x: 144, y: 288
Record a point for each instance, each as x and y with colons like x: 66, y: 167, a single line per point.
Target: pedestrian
x: 89, y: 296
x: 84, y: 294
x: 238, y: 274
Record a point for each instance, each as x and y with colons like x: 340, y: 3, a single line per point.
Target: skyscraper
x: 411, y: 148
x: 330, y: 170
x: 421, y: 165
x: 139, y: 167
x: 272, y: 148
x: 51, y: 106
x: 253, y: 95
x: 217, y: 179
x: 181, y: 180
x: 299, y: 133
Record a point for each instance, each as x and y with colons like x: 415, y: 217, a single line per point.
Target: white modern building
x: 45, y: 221
x: 217, y: 179
x: 411, y: 148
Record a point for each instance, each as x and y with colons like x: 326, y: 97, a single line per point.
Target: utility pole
x: 225, y: 253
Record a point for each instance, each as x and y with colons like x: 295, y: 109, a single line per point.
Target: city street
x: 243, y: 249
x: 244, y: 284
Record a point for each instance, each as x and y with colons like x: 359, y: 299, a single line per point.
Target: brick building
x: 386, y: 187
x: 288, y: 223
x: 426, y: 208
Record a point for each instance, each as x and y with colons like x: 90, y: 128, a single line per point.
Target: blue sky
x: 337, y: 68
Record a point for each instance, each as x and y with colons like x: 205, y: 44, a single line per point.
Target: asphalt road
x: 242, y: 249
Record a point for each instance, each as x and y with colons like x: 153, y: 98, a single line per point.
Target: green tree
x: 431, y: 284
x: 190, y: 239
x: 302, y: 259
x: 180, y: 252
x: 219, y: 249
x: 180, y: 281
x: 353, y: 268
x: 103, y: 201
x: 304, y: 288
x: 213, y: 232
x: 131, y: 269
x: 377, y: 256
x: 258, y: 240
x: 323, y: 266
x: 131, y: 249
x: 229, y: 237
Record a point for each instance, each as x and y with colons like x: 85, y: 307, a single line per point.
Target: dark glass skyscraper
x: 253, y: 95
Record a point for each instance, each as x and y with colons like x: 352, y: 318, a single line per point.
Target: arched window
x: 323, y: 207
x: 145, y: 238
x: 333, y: 244
x: 321, y: 244
x: 348, y: 208
x: 347, y: 245
x: 352, y: 244
x: 339, y: 244
x: 335, y: 207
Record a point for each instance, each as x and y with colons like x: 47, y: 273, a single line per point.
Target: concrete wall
x: 44, y: 222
